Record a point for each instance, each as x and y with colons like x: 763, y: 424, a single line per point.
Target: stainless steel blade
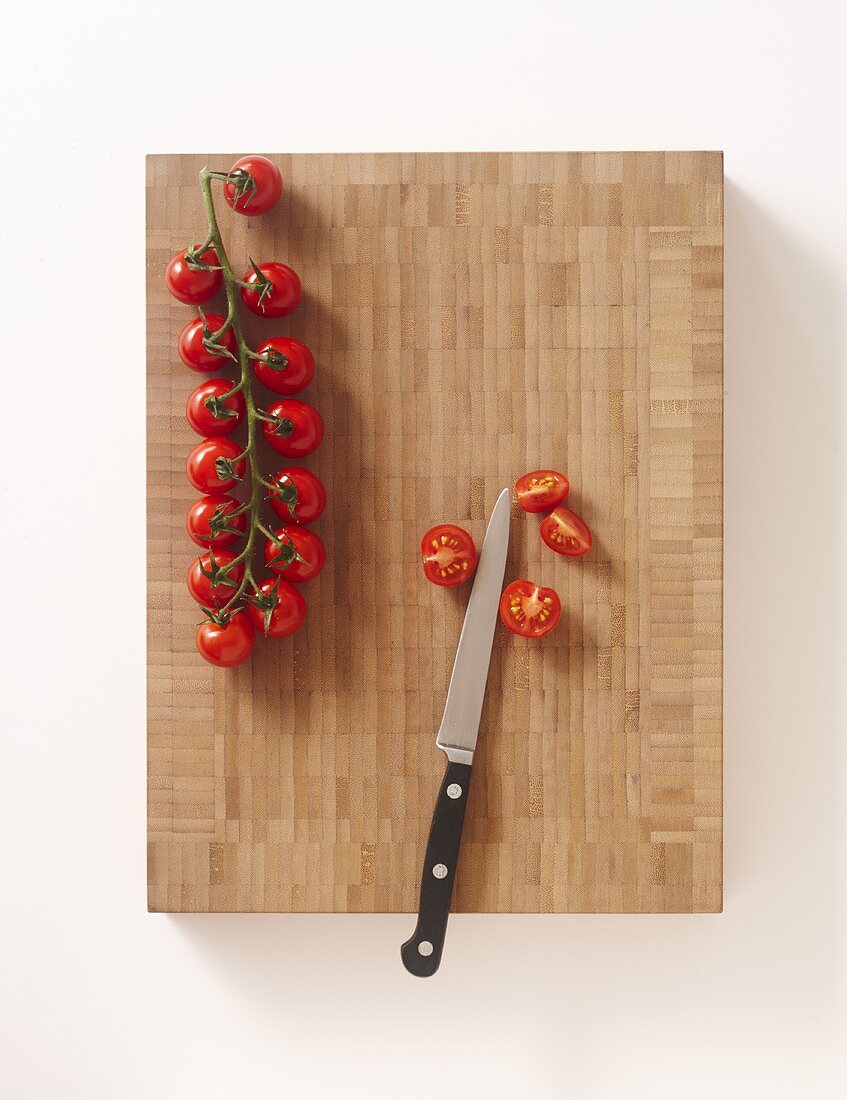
x: 460, y: 724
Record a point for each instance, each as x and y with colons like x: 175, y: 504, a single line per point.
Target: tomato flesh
x: 200, y: 584
x: 529, y: 611
x: 300, y: 497
x: 190, y: 286
x: 564, y: 532
x: 541, y: 490
x: 263, y: 187
x: 226, y: 644
x: 284, y: 294
x: 449, y: 555
x: 288, y: 614
x: 303, y: 542
x: 202, y: 418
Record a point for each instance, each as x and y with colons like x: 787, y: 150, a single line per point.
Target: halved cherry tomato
x: 192, y: 350
x: 289, y: 365
x: 282, y: 296
x: 279, y: 610
x: 297, y: 430
x: 253, y: 185
x: 300, y: 496
x: 209, y: 524
x: 193, y: 286
x: 541, y: 490
x: 203, y: 578
x: 565, y: 532
x: 215, y: 465
x: 208, y: 414
x: 297, y: 543
x: 528, y: 610
x: 449, y: 555
x: 226, y: 644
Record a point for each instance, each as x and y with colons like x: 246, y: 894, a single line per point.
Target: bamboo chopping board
x: 473, y: 316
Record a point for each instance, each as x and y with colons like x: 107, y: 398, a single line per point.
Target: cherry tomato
x: 449, y: 555
x: 190, y: 286
x: 205, y: 402
x: 296, y: 541
x: 290, y: 366
x: 207, y: 590
x: 253, y: 186
x: 300, y: 497
x: 191, y: 349
x: 565, y: 532
x: 226, y: 644
x: 280, y: 610
x: 214, y: 465
x: 283, y: 294
x: 541, y: 490
x: 528, y: 610
x: 298, y: 430
x: 208, y: 525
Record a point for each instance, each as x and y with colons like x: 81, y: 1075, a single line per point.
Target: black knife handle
x: 422, y: 953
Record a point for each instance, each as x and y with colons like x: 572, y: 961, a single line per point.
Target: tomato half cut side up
x: 541, y: 490
x: 566, y: 533
x: 529, y: 611
x: 449, y: 555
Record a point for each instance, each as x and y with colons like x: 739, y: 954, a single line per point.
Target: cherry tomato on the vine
x: 297, y: 430
x: 193, y: 286
x: 191, y: 349
x: 209, y: 522
x: 283, y: 292
x: 253, y: 185
x: 205, y: 583
x: 449, y: 555
x: 297, y: 543
x: 215, y: 465
x: 299, y: 497
x: 289, y: 368
x: 207, y: 412
x: 566, y: 533
x: 528, y: 610
x: 279, y: 610
x: 541, y: 490
x: 226, y: 644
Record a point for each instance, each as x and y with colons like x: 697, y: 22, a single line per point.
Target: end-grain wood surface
x: 473, y: 316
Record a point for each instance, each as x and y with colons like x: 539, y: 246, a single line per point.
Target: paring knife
x: 457, y: 738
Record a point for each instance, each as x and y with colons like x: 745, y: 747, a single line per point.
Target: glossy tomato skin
x: 284, y: 295
x: 541, y: 490
x: 310, y: 499
x: 289, y: 613
x: 199, y: 516
x: 529, y: 611
x: 297, y: 372
x: 229, y: 644
x: 200, y: 586
x: 190, y: 345
x: 307, y: 544
x: 307, y: 428
x: 201, y: 469
x: 265, y: 192
x: 193, y: 287
x: 566, y: 533
x: 449, y: 555
x: 200, y: 417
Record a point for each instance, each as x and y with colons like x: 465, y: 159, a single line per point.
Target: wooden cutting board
x: 473, y: 316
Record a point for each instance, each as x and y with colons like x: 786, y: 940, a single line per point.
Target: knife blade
x: 457, y: 737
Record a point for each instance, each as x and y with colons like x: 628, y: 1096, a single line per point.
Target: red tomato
x: 298, y: 428
x: 301, y: 496
x: 279, y: 611
x: 290, y: 365
x: 214, y: 465
x: 541, y: 490
x: 449, y: 555
x: 282, y: 295
x: 565, y: 532
x: 203, y: 578
x: 208, y: 414
x: 208, y: 523
x: 528, y: 610
x: 191, y: 349
x: 297, y: 543
x: 193, y: 286
x: 226, y: 644
x: 253, y: 185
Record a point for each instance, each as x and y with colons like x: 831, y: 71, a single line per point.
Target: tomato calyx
x: 266, y: 602
x: 218, y: 407
x: 263, y: 285
x: 194, y: 258
x: 212, y: 339
x: 220, y: 521
x: 272, y: 358
x: 216, y: 574
x: 284, y: 490
x: 225, y: 468
x: 243, y: 184
x: 288, y: 552
x: 279, y: 425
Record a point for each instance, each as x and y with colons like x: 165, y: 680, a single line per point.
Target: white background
x: 101, y: 999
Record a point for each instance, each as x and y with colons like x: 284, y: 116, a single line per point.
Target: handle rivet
x: 439, y: 870
x: 424, y: 948
x: 454, y: 791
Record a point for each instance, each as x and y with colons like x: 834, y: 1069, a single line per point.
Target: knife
x: 457, y: 739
